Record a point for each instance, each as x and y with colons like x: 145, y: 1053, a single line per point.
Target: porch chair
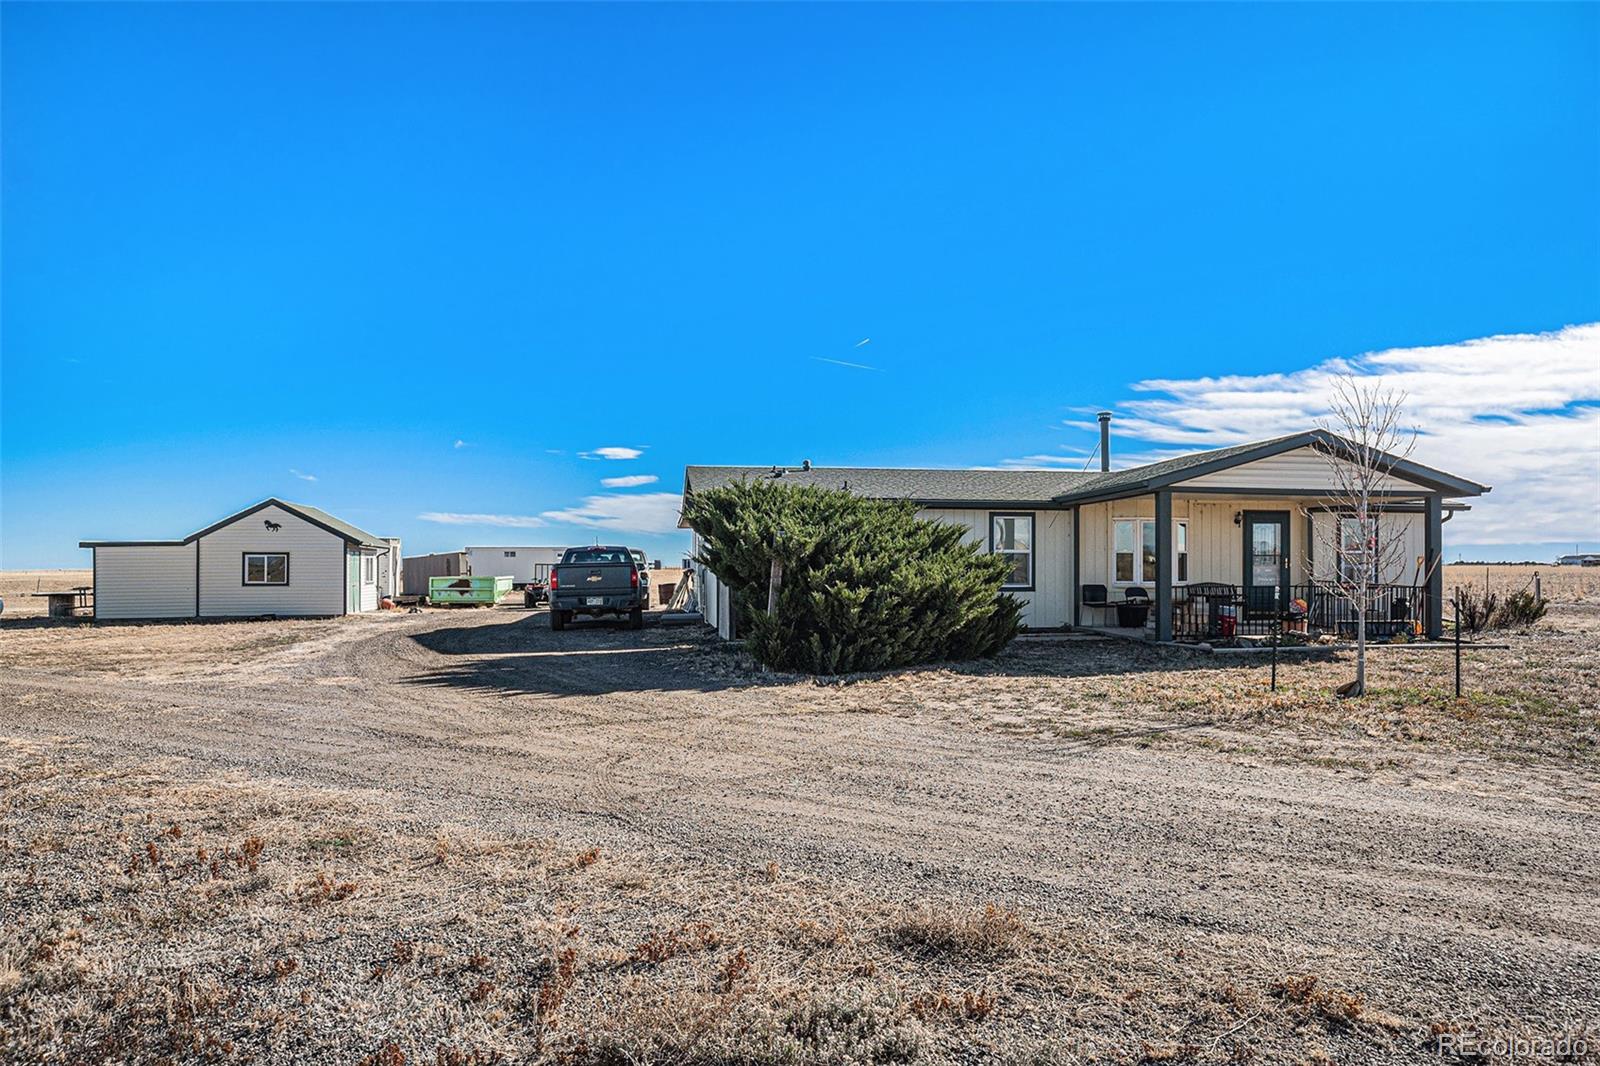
x: 1094, y: 598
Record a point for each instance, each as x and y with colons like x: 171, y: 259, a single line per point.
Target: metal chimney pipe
x: 1105, y: 440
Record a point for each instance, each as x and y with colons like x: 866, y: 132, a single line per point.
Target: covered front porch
x: 1207, y: 566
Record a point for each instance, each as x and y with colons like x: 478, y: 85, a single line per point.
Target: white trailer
x: 521, y: 563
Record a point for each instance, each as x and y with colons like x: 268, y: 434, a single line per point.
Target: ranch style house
x: 1217, y: 543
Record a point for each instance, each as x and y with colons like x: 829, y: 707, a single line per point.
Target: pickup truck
x: 596, y: 581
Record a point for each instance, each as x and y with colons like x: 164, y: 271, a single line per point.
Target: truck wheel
x: 558, y: 620
x: 636, y: 618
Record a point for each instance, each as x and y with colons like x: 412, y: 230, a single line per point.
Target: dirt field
x: 17, y: 588
x: 459, y: 837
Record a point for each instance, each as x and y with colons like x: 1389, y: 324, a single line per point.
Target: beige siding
x: 316, y: 568
x: 1216, y: 545
x: 1049, y: 605
x: 144, y: 582
x: 1300, y: 469
x: 1403, y: 569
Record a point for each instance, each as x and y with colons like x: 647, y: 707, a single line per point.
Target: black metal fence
x: 1211, y: 611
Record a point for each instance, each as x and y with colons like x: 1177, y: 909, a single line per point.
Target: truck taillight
x: 635, y: 575
x: 552, y: 579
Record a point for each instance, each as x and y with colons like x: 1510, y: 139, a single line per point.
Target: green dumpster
x: 479, y: 591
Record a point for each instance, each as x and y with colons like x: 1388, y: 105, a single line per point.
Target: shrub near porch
x: 866, y: 584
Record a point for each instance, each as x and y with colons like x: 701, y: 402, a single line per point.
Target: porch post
x: 1077, y: 562
x: 1433, y: 547
x: 1164, y: 564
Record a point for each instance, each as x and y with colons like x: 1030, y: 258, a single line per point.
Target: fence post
x: 1277, y: 627
x: 1458, y: 643
x: 1537, y: 595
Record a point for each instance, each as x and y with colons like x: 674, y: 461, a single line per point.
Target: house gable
x: 1303, y: 471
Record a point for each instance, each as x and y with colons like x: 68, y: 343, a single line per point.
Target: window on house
x: 369, y: 568
x: 266, y: 568
x: 1358, y: 542
x: 511, y: 555
x: 1133, y: 551
x: 1011, y: 535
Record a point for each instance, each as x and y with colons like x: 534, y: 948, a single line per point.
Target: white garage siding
x: 715, y: 603
x: 1049, y: 604
x: 316, y: 567
x: 144, y: 581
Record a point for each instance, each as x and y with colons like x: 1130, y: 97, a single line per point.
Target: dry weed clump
x: 991, y: 932
x: 659, y: 947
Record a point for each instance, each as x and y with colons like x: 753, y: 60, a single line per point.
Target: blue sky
x: 431, y: 256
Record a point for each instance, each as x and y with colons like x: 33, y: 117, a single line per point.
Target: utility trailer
x: 475, y: 591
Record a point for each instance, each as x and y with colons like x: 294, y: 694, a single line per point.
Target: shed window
x: 1011, y: 535
x: 266, y: 568
x: 369, y: 568
x: 511, y: 555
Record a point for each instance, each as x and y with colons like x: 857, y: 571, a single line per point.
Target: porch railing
x: 1210, y: 611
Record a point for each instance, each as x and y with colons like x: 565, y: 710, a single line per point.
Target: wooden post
x: 1537, y: 594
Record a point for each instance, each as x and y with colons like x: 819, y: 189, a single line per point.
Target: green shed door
x: 352, y: 583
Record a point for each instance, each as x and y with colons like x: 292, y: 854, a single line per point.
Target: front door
x: 1266, y: 563
x: 352, y: 594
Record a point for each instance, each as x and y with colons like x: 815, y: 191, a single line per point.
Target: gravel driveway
x: 1456, y: 886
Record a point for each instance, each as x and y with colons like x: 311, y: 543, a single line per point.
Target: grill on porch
x: 1213, y: 611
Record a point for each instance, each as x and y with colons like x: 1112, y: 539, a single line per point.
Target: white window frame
x: 1342, y: 563
x: 1029, y: 551
x: 369, y: 569
x: 244, y: 576
x: 1139, y: 576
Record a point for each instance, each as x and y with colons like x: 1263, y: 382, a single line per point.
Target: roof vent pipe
x: 1105, y: 440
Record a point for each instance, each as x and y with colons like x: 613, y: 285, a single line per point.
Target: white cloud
x: 1517, y: 412
x: 460, y: 443
x: 302, y: 476
x: 629, y: 482
x: 613, y: 452
x: 649, y: 512
x: 451, y: 518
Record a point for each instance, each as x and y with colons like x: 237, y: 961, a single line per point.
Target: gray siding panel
x: 316, y: 568
x: 144, y: 582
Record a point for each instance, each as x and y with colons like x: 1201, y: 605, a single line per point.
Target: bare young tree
x: 1365, y: 440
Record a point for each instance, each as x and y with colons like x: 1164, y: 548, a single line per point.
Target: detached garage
x: 274, y: 558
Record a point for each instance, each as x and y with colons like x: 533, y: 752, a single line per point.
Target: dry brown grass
x: 18, y: 586
x: 235, y: 936
x: 1531, y: 698
x: 1558, y: 584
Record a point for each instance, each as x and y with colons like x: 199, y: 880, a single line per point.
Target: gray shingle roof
x: 355, y: 533
x: 1035, y: 487
x: 892, y: 483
